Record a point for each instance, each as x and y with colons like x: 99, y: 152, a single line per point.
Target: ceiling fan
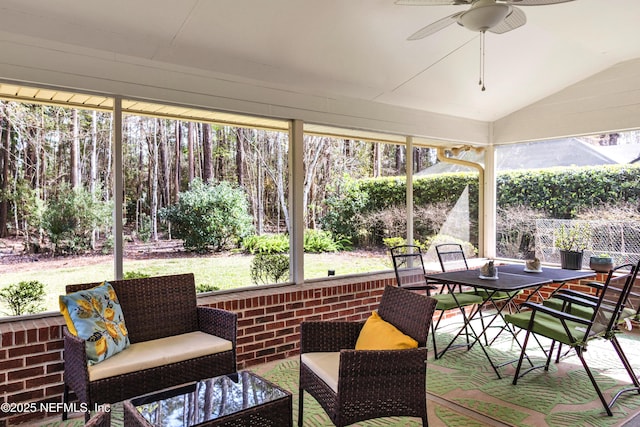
x: 496, y: 16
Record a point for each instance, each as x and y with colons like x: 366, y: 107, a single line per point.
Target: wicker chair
x: 101, y: 419
x: 154, y: 307
x: 370, y: 383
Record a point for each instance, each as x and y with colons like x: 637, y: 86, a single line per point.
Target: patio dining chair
x: 452, y: 257
x: 408, y: 265
x: 355, y: 380
x: 630, y: 311
x: 576, y: 331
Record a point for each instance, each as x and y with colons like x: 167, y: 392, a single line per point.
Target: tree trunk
x: 108, y: 159
x: 315, y: 148
x: 220, y: 163
x: 260, y: 201
x: 178, y: 165
x: 94, y: 169
x: 190, y: 151
x: 207, y: 166
x: 5, y: 140
x: 280, y: 180
x: 240, y: 155
x: 165, y: 162
x: 74, y: 172
x: 154, y: 182
x: 399, y: 159
x: 377, y: 160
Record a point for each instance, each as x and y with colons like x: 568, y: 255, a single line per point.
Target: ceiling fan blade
x: 434, y: 27
x: 431, y: 2
x: 515, y: 19
x: 536, y: 2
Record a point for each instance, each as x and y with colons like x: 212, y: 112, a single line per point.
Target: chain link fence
x: 618, y: 239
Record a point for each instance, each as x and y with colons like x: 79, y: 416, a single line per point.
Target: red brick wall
x: 269, y: 319
x: 31, y: 362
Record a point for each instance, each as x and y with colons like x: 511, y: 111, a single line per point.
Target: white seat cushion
x: 160, y: 352
x: 325, y: 366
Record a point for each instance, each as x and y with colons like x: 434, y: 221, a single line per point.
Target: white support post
x: 296, y: 205
x: 118, y: 190
x: 490, y: 200
x: 409, y: 177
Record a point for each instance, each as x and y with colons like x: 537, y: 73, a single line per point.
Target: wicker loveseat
x: 173, y: 341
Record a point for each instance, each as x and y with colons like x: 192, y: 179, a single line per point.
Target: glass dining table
x: 510, y: 280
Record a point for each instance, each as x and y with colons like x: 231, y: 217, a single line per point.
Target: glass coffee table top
x: 206, y: 400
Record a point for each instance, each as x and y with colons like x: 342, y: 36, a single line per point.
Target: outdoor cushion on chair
x: 159, y: 352
x: 355, y: 385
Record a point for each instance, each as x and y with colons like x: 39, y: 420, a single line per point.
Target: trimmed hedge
x: 559, y: 192
x: 563, y: 192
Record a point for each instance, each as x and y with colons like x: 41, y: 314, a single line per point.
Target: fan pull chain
x: 482, y: 49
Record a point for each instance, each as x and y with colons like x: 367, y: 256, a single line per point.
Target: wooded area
x: 47, y: 150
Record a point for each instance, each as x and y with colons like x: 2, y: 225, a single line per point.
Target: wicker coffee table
x: 242, y: 399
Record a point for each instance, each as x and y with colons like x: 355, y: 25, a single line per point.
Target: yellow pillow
x: 376, y: 334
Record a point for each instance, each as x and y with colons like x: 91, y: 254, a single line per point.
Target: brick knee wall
x: 31, y: 355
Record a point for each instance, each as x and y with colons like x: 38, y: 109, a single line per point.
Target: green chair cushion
x: 498, y: 296
x: 584, y: 312
x: 551, y: 327
x: 447, y: 302
x: 576, y: 309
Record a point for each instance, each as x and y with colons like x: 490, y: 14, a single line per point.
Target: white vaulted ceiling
x: 341, y: 62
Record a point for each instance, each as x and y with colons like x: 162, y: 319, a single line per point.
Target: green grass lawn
x: 225, y: 271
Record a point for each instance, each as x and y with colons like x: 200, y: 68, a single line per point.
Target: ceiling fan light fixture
x: 484, y: 15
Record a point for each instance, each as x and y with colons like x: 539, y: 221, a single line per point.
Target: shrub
x: 368, y: 210
x: 516, y: 231
x: 269, y: 268
x: 266, y: 244
x: 70, y: 217
x: 563, y: 192
x: 469, y: 250
x: 392, y: 242
x: 24, y: 297
x: 317, y: 241
x: 357, y: 210
x: 343, y: 209
x: 210, y: 217
x: 206, y: 287
x: 135, y: 275
x: 377, y: 226
x: 613, y: 211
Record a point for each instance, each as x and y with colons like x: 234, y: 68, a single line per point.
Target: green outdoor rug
x: 463, y: 390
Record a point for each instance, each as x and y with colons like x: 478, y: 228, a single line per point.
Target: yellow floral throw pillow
x: 95, y: 316
x: 376, y: 334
